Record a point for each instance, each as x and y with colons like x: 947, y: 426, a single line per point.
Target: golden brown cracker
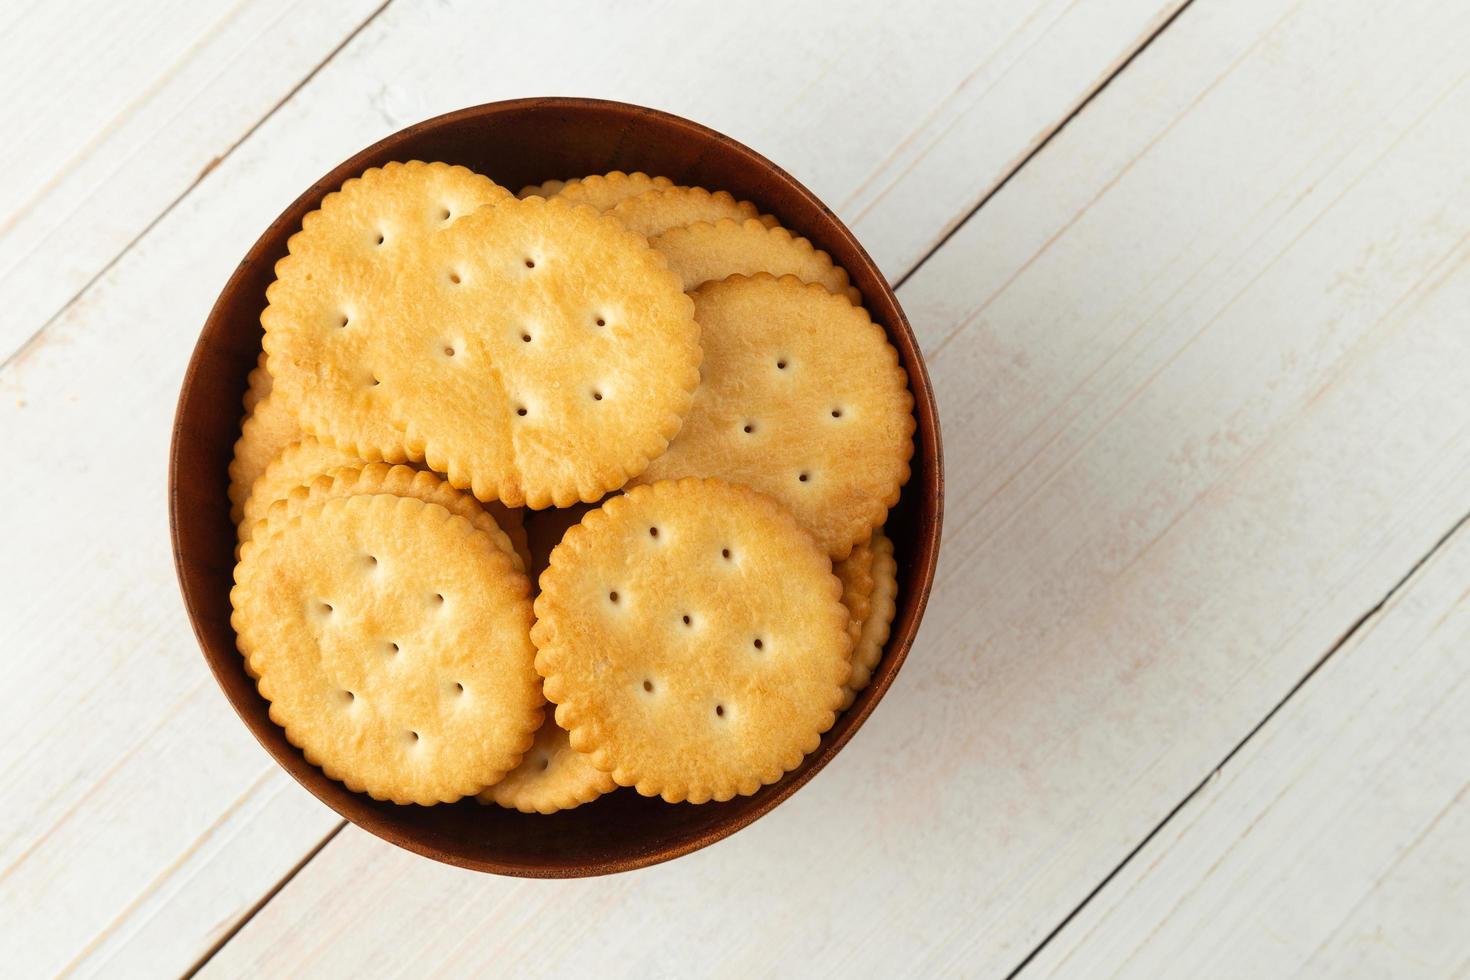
x: 512, y: 521
x: 360, y: 227
x: 855, y: 572
x: 553, y: 776
x: 351, y: 249
x: 257, y: 384
x: 533, y: 352
x: 268, y: 429
x: 654, y: 212
x: 691, y: 634
x: 391, y: 639
x: 295, y: 465
x: 801, y: 397
x: 879, y: 619
x: 391, y: 478
x: 547, y: 188
x: 705, y: 252
x: 606, y: 191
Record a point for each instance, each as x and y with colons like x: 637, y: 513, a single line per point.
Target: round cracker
x: 606, y: 191
x: 855, y: 572
x: 266, y: 430
x: 257, y: 384
x: 547, y: 188
x: 391, y: 639
x: 512, y: 521
x: 691, y: 635
x: 340, y: 253
x: 553, y: 776
x: 654, y: 212
x: 705, y: 252
x: 533, y: 352
x: 306, y: 459
x: 377, y: 478
x: 803, y: 398
x: 295, y: 465
x: 876, y: 625
x: 359, y: 228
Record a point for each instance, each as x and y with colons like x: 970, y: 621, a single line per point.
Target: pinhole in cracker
x: 392, y: 640
x: 552, y: 777
x: 535, y: 353
x: 691, y: 635
x: 441, y: 355
x: 801, y: 397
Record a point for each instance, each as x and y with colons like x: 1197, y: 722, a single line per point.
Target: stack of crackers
x: 612, y: 445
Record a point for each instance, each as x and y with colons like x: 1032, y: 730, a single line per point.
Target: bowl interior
x: 517, y: 143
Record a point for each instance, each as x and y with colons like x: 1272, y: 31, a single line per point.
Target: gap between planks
x: 1041, y: 144
x: 1215, y: 771
x: 1144, y: 41
x: 265, y: 899
x: 957, y: 203
x: 24, y: 348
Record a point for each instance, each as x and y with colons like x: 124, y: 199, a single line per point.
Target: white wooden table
x: 1192, y: 696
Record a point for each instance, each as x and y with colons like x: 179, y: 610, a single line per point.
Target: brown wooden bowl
x: 517, y: 143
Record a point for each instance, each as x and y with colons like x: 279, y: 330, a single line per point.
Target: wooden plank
x: 901, y: 115
x: 111, y: 111
x: 1201, y: 365
x: 209, y: 885
x: 114, y: 713
x: 1337, y: 843
x: 987, y: 126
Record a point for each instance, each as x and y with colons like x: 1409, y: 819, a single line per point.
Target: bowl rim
x: 920, y: 573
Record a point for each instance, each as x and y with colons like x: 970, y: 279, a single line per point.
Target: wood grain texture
x: 111, y: 111
x: 198, y: 897
x: 1338, y: 842
x: 111, y: 710
x: 899, y: 115
x: 1201, y: 365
